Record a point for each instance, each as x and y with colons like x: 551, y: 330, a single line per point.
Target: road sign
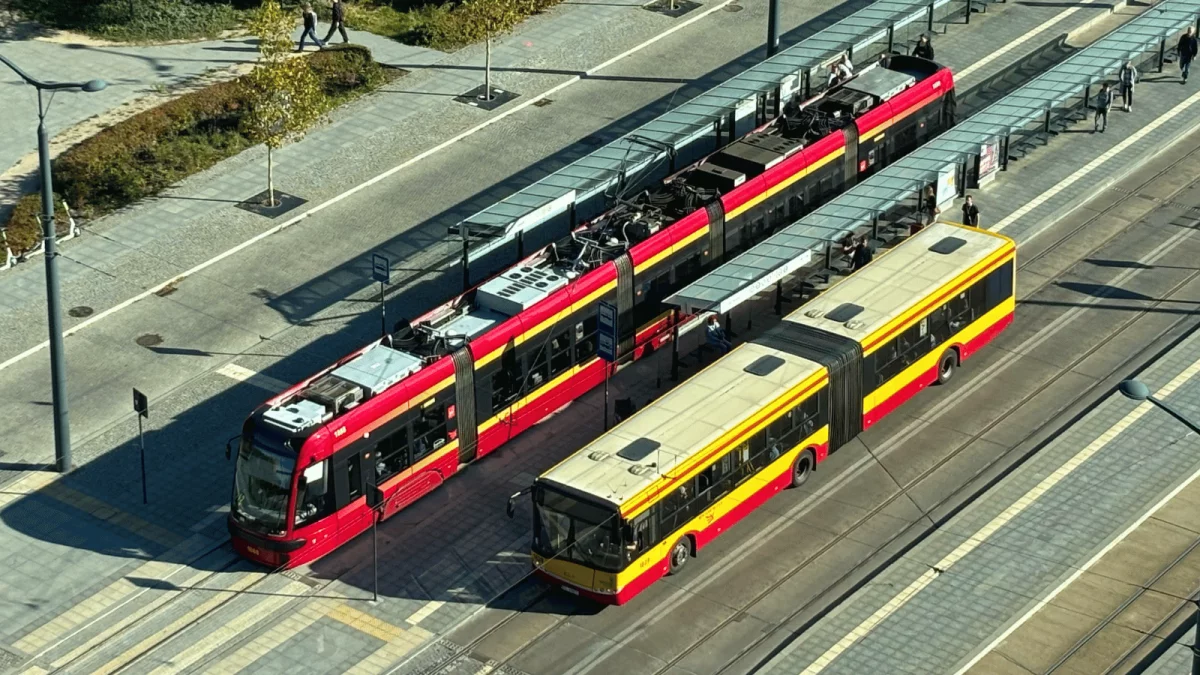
x: 381, y: 268
x: 606, y: 331
x: 141, y: 405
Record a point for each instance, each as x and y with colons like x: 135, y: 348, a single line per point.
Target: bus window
x: 315, y: 498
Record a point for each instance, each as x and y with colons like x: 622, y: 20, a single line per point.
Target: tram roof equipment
x: 682, y: 129
x: 800, y: 244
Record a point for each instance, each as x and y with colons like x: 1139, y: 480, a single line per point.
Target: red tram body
x: 411, y: 410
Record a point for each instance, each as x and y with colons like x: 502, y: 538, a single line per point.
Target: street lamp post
x: 1133, y: 389
x: 58, y: 365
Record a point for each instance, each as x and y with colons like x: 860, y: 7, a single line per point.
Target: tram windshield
x: 569, y: 529
x: 262, y: 483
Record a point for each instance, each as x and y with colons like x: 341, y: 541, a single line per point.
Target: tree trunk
x: 270, y: 179
x: 487, y: 69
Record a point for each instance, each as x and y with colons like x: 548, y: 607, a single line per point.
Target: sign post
x: 374, y: 502
x: 606, y: 344
x: 141, y: 406
x: 381, y: 271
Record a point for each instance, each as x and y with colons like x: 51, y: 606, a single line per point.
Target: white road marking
x: 423, y: 613
x: 1091, y: 166
x: 236, y: 372
x: 984, y: 533
x: 965, y: 72
x: 90, y: 321
x: 722, y: 565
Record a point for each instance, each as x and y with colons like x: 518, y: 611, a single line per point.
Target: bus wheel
x: 946, y: 366
x: 680, y: 553
x: 802, y: 468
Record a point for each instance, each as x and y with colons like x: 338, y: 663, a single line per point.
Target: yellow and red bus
x: 639, y: 502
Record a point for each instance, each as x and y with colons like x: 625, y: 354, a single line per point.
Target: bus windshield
x: 574, y: 530
x: 262, y: 482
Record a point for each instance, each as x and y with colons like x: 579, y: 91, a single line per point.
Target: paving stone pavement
x: 964, y: 584
x: 443, y: 557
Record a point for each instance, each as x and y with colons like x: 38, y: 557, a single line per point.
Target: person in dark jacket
x: 1187, y: 51
x: 338, y: 22
x: 310, y: 29
x: 923, y: 49
x: 970, y: 212
x: 1104, y: 101
x: 862, y: 254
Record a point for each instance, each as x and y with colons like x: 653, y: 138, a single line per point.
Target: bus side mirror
x: 511, y: 509
x: 229, y: 446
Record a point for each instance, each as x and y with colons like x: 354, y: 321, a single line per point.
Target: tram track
x: 1121, y: 330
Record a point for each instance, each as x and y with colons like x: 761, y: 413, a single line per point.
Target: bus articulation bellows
x: 641, y: 500
x: 448, y: 388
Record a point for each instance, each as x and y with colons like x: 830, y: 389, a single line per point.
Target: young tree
x: 284, y: 94
x: 492, y: 18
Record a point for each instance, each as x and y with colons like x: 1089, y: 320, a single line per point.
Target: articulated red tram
x: 407, y: 412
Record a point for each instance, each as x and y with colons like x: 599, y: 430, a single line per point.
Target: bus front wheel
x: 802, y: 468
x: 680, y: 552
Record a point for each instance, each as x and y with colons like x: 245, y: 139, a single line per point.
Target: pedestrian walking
x: 1187, y: 51
x: 338, y: 22
x: 310, y: 29
x: 924, y: 48
x: 1127, y: 77
x: 716, y: 335
x: 1104, y: 100
x: 929, y: 209
x: 970, y: 212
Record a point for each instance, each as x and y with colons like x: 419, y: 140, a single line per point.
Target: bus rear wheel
x: 802, y: 468
x: 946, y: 366
x: 680, y: 552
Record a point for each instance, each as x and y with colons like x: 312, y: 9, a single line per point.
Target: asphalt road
x: 1091, y: 311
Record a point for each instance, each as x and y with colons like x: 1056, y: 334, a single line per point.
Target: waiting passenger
x: 835, y: 76
x: 716, y: 335
x: 924, y: 48
x: 862, y: 254
x: 845, y: 66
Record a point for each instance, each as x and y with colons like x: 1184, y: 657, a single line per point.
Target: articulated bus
x: 640, y: 501
x: 410, y: 410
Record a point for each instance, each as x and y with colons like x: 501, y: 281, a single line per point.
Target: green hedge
x: 155, y: 149
x: 445, y: 26
x: 149, y: 20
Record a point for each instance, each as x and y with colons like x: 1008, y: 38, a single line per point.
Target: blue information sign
x: 381, y: 268
x: 606, y: 331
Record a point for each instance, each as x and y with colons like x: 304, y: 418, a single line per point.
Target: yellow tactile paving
x: 25, y: 485
x: 272, y: 638
x: 103, y: 511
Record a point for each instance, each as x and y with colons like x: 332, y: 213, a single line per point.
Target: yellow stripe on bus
x: 646, y: 497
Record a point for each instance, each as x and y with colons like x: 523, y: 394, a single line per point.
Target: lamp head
x: 94, y: 85
x: 1134, y: 390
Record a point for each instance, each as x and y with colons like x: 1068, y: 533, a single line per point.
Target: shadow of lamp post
x: 58, y: 366
x: 1136, y: 390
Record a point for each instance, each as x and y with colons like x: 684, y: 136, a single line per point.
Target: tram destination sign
x: 606, y: 331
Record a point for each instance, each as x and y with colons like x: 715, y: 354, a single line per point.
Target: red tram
x: 410, y: 410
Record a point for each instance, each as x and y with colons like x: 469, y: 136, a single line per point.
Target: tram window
x: 429, y: 431
x: 686, y: 271
x: 392, y: 454
x: 539, y: 370
x: 649, y: 302
x: 315, y: 500
x: 506, y: 382
x: 795, y: 206
x: 560, y: 353
x: 354, y: 478
x: 585, y: 339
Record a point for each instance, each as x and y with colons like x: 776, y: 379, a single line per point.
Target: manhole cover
x: 149, y: 340
x: 733, y: 8
x: 80, y: 311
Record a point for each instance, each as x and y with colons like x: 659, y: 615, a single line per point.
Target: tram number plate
x: 252, y: 551
x: 570, y: 590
